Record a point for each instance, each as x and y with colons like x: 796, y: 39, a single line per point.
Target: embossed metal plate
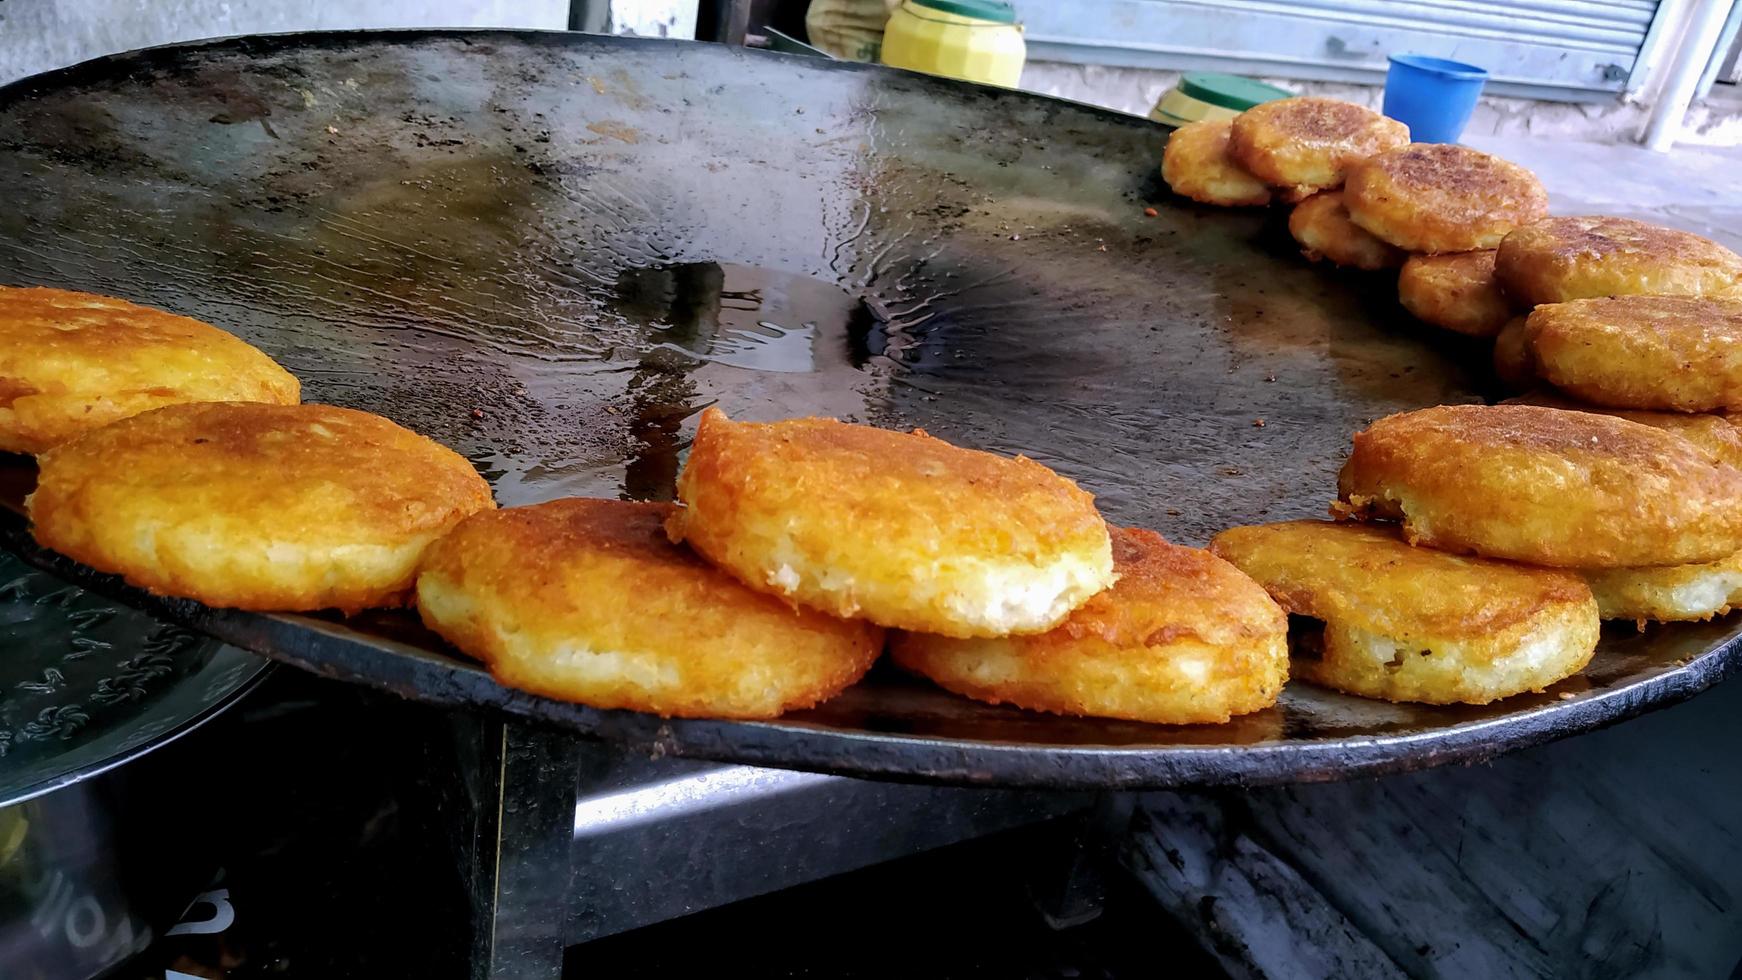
x: 87, y: 682
x: 551, y: 251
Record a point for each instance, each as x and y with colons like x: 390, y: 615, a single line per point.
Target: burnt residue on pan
x: 551, y: 251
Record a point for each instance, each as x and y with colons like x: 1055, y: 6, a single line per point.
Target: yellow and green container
x: 1207, y: 95
x: 973, y: 40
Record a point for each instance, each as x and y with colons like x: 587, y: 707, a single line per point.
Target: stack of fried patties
x: 1582, y: 301
x: 176, y: 455
x: 1364, y: 196
x: 1469, y: 232
x: 1484, y: 542
x: 798, y: 547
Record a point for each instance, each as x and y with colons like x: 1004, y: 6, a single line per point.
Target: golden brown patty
x: 1196, y: 165
x: 267, y: 507
x: 1716, y: 434
x: 70, y: 362
x: 1455, y: 291
x: 1545, y: 486
x: 1561, y: 259
x: 1440, y: 197
x: 1668, y: 593
x: 586, y: 600
x: 1308, y: 143
x: 898, y: 528
x: 1673, y: 593
x: 1412, y: 624
x: 1513, y: 362
x: 1183, y: 638
x: 1678, y: 353
x: 1322, y: 227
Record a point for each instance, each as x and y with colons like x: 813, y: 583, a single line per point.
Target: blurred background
x: 1587, y: 70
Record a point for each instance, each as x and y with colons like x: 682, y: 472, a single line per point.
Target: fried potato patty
x: 1308, y: 143
x: 70, y: 362
x: 1716, y: 434
x: 1545, y: 486
x: 1676, y: 353
x: 1668, y: 594
x: 1322, y: 227
x: 1441, y: 197
x: 1513, y: 363
x: 898, y: 528
x: 1183, y: 638
x: 1196, y: 164
x: 1455, y: 291
x: 1561, y: 259
x: 254, y: 506
x: 1413, y: 624
x: 588, y: 601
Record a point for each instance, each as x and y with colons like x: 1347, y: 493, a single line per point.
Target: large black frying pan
x: 551, y: 251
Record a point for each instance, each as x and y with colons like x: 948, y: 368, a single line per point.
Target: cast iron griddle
x: 551, y: 251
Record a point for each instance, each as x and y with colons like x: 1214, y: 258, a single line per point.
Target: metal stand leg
x: 521, y: 869
x: 1074, y: 890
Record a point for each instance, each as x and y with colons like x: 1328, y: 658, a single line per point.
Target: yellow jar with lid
x: 1207, y: 95
x: 973, y: 40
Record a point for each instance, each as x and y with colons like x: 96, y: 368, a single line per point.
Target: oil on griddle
x: 550, y: 256
x: 551, y: 252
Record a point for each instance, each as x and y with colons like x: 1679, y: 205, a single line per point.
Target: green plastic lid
x: 999, y: 11
x: 1227, y: 91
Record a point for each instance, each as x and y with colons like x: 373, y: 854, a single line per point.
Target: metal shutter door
x: 1548, y: 49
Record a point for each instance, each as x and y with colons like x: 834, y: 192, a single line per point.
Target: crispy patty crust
x: 1308, y: 143
x: 255, y: 506
x: 1183, y: 638
x: 1412, y: 624
x: 1196, y: 164
x: 1672, y: 353
x: 1582, y: 257
x: 1545, y: 486
x: 899, y: 528
x: 70, y: 362
x: 1322, y: 227
x: 588, y: 601
x: 1441, y: 197
x: 1717, y: 434
x: 1455, y: 291
x: 1513, y: 363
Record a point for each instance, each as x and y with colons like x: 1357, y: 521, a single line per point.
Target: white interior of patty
x: 585, y: 664
x: 785, y: 578
x: 995, y: 596
x: 1531, y: 654
x: 1707, y: 593
x: 992, y: 664
x: 1627, y: 594
x: 1015, y: 595
x: 1194, y: 668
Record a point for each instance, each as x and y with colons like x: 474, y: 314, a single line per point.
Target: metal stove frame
x: 555, y: 820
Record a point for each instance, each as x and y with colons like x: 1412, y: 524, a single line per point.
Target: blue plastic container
x: 1432, y: 96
